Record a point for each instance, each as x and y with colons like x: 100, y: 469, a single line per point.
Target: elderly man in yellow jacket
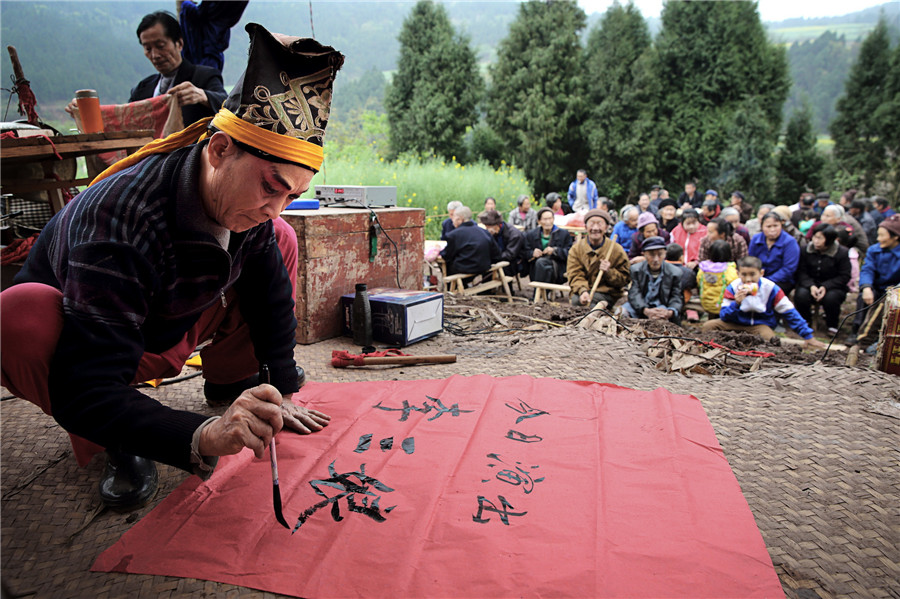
x: 594, y: 254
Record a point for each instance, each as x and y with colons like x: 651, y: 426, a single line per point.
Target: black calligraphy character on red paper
x: 438, y: 407
x: 349, y: 489
x: 486, y: 505
x: 517, y: 436
x: 526, y: 411
x: 519, y: 476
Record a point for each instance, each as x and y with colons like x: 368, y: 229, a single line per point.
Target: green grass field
x: 429, y: 184
x: 790, y: 35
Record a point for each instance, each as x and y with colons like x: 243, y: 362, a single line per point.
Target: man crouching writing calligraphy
x: 178, y: 244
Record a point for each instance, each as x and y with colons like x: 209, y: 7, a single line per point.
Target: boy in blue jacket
x: 751, y: 302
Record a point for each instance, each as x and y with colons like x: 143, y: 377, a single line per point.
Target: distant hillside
x: 853, y: 26
x: 66, y: 46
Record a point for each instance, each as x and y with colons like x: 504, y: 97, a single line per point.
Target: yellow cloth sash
x: 282, y: 146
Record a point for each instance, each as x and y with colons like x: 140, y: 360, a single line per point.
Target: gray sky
x: 769, y: 10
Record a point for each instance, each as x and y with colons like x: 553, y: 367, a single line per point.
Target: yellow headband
x: 282, y: 146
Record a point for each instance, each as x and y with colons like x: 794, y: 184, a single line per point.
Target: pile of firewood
x: 673, y: 354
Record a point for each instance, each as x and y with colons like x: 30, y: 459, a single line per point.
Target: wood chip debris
x: 675, y: 355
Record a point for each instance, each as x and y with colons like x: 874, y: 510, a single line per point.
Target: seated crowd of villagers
x: 745, y: 267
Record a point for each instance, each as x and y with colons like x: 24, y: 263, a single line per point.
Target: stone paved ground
x: 815, y: 449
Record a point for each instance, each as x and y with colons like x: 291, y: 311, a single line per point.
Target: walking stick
x: 600, y: 273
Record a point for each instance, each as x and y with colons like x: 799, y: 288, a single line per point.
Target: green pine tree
x: 536, y: 104
x: 713, y: 58
x: 859, y: 147
x: 433, y: 97
x: 746, y: 164
x: 888, y: 116
x: 623, y: 98
x: 799, y: 162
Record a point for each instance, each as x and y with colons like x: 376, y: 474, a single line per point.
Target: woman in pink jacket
x: 688, y: 235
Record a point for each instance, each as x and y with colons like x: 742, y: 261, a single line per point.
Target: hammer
x: 342, y: 359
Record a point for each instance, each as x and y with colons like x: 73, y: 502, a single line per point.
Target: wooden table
x: 39, y: 150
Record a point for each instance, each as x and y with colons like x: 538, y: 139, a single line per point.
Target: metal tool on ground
x: 606, y: 256
x: 342, y: 359
x: 264, y: 377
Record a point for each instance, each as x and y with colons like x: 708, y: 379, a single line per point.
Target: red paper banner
x: 471, y: 487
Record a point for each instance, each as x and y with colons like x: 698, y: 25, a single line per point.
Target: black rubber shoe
x: 128, y: 482
x: 223, y: 394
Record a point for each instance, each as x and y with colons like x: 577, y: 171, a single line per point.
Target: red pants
x: 32, y: 318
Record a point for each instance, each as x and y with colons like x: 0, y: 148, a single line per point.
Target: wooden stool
x: 455, y: 283
x: 540, y: 290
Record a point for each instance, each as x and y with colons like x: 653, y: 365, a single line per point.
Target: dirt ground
x: 473, y: 315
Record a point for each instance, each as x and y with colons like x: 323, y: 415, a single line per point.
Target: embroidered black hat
x: 279, y: 108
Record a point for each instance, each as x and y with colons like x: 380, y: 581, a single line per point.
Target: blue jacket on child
x: 761, y: 308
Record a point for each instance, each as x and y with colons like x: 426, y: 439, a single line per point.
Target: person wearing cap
x: 744, y: 209
x: 523, y: 215
x: 508, y: 240
x: 582, y: 194
x: 648, y: 227
x: 655, y: 291
x: 690, y: 197
x: 711, y: 207
x: 546, y: 249
x: 880, y: 270
x: 823, y: 199
x: 626, y: 228
x: 177, y: 244
x: 592, y: 255
x: 667, y: 214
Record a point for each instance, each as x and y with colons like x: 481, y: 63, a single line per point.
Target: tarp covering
x: 471, y: 487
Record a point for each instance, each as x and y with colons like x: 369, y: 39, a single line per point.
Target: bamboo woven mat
x: 813, y: 447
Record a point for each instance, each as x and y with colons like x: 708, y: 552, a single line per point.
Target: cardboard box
x: 399, y: 316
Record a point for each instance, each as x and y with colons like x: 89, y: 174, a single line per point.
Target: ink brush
x: 276, y: 490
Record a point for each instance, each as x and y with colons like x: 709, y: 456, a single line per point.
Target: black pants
x: 831, y: 303
x: 547, y: 270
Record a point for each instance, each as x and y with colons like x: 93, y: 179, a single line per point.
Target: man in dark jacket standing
x: 470, y: 249
x: 508, y: 239
x: 175, y: 245
x: 199, y: 89
x: 546, y: 249
x: 655, y: 291
x: 690, y: 197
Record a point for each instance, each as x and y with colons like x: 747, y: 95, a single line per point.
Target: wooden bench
x: 456, y: 283
x: 540, y: 290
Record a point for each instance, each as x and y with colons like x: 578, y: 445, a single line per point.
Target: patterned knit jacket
x: 136, y: 270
